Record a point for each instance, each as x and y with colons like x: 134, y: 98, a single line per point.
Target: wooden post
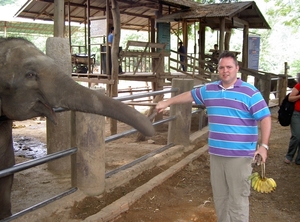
x: 59, y: 18
x: 282, y: 85
x: 59, y: 136
x: 179, y: 129
x: 222, y: 34
x: 265, y: 86
x: 245, y: 51
x: 115, y: 58
x: 90, y: 140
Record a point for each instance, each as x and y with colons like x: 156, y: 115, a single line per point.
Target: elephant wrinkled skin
x: 31, y: 85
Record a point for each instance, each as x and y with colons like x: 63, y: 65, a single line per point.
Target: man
x: 233, y: 109
x: 182, y: 55
x: 110, y: 39
x: 214, y: 57
x: 215, y: 54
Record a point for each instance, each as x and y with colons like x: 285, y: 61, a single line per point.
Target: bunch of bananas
x: 261, y: 183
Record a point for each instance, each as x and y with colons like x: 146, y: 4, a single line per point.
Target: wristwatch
x: 265, y: 146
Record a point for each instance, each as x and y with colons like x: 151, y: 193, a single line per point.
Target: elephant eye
x: 31, y: 75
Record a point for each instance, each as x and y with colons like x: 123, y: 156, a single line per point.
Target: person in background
x: 215, y: 54
x: 234, y: 108
x: 110, y: 40
x: 182, y: 55
x: 214, y: 58
x: 295, y: 127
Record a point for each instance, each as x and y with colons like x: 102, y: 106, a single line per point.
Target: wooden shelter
x: 152, y: 16
x: 224, y: 18
x: 144, y: 15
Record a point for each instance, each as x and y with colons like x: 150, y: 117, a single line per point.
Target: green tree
x: 216, y: 1
x: 282, y: 39
x: 286, y: 11
x: 7, y: 2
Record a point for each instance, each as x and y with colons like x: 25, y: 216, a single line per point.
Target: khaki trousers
x: 231, y: 187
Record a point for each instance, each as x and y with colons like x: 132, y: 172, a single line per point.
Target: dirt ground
x: 186, y: 196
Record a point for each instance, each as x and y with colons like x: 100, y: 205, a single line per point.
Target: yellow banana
x: 262, y: 186
x: 253, y: 175
x: 257, y: 185
x: 270, y: 185
x: 266, y: 186
x: 274, y: 185
x: 254, y: 180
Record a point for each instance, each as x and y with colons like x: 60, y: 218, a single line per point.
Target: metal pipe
x: 39, y: 205
x: 119, y: 135
x: 32, y: 163
x: 138, y: 160
x: 141, y: 95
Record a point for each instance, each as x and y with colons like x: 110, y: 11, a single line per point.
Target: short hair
x: 216, y: 45
x: 227, y: 54
x: 180, y: 43
x: 112, y: 29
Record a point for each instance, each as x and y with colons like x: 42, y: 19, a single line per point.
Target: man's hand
x: 161, y: 106
x: 262, y: 151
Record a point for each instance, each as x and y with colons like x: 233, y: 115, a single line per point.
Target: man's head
x: 228, y: 68
x: 216, y: 46
x: 112, y: 29
x: 180, y: 43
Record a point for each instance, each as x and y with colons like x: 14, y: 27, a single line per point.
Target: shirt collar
x: 237, y: 83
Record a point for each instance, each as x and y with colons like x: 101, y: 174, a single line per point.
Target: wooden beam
x: 239, y: 23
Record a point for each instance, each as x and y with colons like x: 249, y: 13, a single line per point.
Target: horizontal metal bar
x: 39, y: 205
x: 130, y: 97
x: 197, y: 111
x: 141, y: 95
x: 138, y: 160
x: 36, y: 162
x: 120, y: 135
x: 59, y: 109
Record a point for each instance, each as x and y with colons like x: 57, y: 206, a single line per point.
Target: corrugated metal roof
x: 30, y: 28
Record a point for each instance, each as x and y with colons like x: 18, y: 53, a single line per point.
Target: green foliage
x: 7, y: 2
x: 215, y: 1
x: 285, y: 12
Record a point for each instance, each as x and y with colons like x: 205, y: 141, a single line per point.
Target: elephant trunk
x: 82, y: 99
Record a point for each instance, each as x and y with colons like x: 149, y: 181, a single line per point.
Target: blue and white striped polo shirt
x: 232, y: 115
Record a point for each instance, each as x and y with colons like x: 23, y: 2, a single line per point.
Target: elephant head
x: 31, y: 85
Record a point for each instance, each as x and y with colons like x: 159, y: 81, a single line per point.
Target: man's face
x: 227, y: 71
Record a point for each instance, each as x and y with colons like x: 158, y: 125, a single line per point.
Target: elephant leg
x: 7, y: 160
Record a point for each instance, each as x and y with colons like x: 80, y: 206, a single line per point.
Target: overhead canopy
x: 29, y: 28
x: 236, y: 14
x: 135, y: 14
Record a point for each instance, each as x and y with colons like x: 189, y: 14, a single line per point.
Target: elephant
x: 31, y: 85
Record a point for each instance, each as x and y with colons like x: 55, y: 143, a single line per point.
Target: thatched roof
x: 210, y: 15
x: 30, y: 28
x: 135, y: 14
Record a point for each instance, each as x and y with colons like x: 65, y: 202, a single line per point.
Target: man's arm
x: 185, y: 97
x: 265, y: 126
x: 294, y: 95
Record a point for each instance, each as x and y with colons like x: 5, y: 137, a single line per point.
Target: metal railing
x: 73, y: 151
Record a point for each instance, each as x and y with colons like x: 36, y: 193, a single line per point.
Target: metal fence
x: 176, y: 89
